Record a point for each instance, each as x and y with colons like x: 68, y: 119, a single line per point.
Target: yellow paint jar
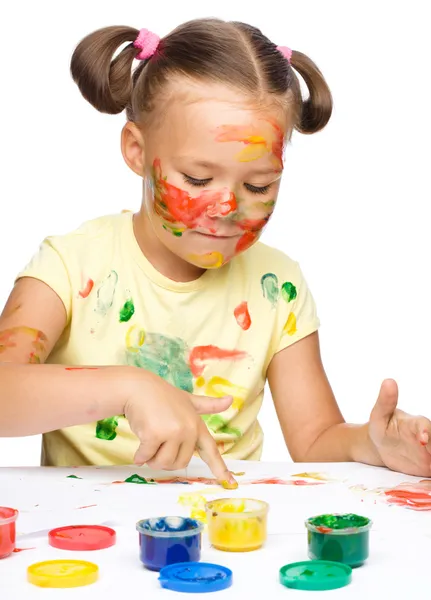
x: 237, y: 524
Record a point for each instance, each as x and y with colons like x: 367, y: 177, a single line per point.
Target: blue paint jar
x: 169, y: 540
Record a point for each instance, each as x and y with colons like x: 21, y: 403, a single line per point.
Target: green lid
x: 315, y: 575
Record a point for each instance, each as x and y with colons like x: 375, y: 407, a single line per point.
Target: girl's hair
x: 212, y: 50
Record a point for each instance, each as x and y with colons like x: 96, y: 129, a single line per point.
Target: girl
x: 194, y: 312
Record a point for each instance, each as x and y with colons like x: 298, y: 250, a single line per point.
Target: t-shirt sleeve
x: 48, y: 265
x: 297, y: 313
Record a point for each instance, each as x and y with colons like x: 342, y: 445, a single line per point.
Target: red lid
x: 82, y: 537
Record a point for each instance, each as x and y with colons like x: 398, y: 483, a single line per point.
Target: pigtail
x: 104, y: 81
x: 316, y: 110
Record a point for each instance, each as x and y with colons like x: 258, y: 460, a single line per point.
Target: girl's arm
x: 313, y: 426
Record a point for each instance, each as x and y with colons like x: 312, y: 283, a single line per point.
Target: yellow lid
x: 62, y: 573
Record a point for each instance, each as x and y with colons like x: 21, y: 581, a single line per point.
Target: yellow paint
x: 200, y: 382
x: 253, y: 150
x: 316, y: 476
x: 227, y: 485
x: 217, y: 387
x: 135, y: 338
x: 242, y: 529
x: 210, y: 260
x: 290, y: 327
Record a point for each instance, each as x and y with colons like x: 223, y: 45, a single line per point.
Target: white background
x: 355, y: 198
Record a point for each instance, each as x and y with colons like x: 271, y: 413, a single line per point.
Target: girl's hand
x: 403, y: 441
x: 166, y: 420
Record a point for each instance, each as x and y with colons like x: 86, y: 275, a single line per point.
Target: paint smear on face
x: 162, y: 355
x: 200, y: 355
x: 105, y: 294
x: 288, y: 291
x: 270, y: 289
x: 127, y: 312
x: 261, y: 139
x: 86, y: 290
x: 15, y: 336
x: 176, y: 206
x: 242, y: 316
x: 290, y: 326
x: 246, y: 241
x: 210, y: 260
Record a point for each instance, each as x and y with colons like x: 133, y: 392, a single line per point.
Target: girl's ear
x: 132, y: 148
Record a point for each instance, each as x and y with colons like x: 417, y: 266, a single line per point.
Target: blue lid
x: 195, y: 577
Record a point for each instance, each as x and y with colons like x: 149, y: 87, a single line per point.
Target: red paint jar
x: 8, y: 517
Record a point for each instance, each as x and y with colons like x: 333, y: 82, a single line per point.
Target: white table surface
x: 400, y: 554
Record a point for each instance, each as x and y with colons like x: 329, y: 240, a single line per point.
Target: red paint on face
x: 177, y: 206
x: 245, y: 241
x: 201, y: 354
x: 242, y: 316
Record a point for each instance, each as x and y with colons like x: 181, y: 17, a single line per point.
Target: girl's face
x: 212, y: 173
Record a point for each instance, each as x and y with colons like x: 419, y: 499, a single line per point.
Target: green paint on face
x: 230, y: 431
x: 214, y: 422
x: 73, y: 477
x: 127, y: 312
x: 173, y: 230
x: 346, y: 521
x: 105, y: 294
x: 288, y: 291
x: 135, y: 478
x: 270, y: 290
x: 164, y: 356
x: 106, y: 429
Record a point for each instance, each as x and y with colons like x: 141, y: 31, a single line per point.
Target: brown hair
x: 213, y: 50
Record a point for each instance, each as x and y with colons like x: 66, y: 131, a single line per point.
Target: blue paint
x: 169, y: 540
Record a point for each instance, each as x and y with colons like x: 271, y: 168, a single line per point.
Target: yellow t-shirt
x: 214, y: 336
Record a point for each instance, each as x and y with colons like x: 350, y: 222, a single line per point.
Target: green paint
x: 230, y: 431
x: 175, y: 232
x: 339, y: 521
x: 214, y: 422
x: 288, y: 291
x: 73, y: 477
x: 105, y: 294
x: 135, y: 478
x: 106, y: 429
x: 127, y: 312
x: 270, y: 290
x: 164, y: 356
x: 339, y: 538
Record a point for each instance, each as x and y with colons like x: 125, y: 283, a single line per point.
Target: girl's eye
x: 196, y: 182
x: 257, y: 190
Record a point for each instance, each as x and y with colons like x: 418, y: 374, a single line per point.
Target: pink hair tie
x: 286, y: 52
x: 147, y: 42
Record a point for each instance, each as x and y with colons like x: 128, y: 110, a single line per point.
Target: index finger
x: 210, y: 454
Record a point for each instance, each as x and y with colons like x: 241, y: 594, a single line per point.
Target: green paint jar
x: 342, y: 538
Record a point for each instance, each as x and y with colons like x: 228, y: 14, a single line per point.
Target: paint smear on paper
x: 200, y: 355
x: 242, y: 316
x: 162, y: 355
x: 22, y: 549
x: 290, y: 326
x: 135, y: 478
x: 106, y: 293
x: 127, y: 311
x: 278, y: 481
x: 288, y: 291
x: 316, y: 476
x: 73, y: 477
x: 86, y: 290
x: 87, y: 506
x: 416, y: 496
x: 270, y: 290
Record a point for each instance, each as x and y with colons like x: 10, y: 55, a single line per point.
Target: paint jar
x: 169, y: 540
x: 237, y: 524
x: 342, y: 538
x: 8, y: 517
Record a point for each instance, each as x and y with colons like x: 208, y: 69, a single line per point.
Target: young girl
x: 189, y: 308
